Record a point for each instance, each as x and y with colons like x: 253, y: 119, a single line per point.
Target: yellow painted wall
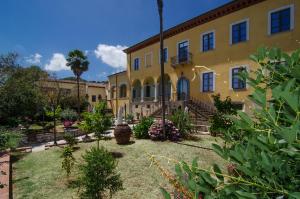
x: 225, y: 55
x: 86, y: 88
x: 114, y: 100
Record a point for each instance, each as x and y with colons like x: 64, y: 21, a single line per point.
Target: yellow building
x: 203, y: 55
x: 93, y: 91
x: 118, y: 92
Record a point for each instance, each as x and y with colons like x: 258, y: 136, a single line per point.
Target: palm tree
x: 79, y: 64
x: 162, y: 70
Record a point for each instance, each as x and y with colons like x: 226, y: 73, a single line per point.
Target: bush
x: 9, y: 139
x: 182, y: 121
x: 265, y: 158
x: 156, y: 131
x: 68, y: 114
x: 99, y: 174
x: 219, y: 121
x: 140, y: 130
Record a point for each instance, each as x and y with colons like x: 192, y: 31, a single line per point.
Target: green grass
x: 39, y: 175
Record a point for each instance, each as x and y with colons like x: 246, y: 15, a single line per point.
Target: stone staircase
x: 199, y: 112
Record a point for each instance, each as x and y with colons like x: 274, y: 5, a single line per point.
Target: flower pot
x: 122, y: 133
x: 67, y: 123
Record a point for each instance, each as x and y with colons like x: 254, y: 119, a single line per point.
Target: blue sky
x: 44, y: 31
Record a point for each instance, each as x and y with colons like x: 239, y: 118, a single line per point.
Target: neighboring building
x: 203, y: 55
x: 93, y: 91
x: 118, y: 92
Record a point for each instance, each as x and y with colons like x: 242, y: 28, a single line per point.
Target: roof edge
x: 206, y: 17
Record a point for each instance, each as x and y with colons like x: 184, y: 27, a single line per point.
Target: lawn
x: 39, y: 175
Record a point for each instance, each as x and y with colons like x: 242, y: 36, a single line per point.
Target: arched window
x: 123, y: 91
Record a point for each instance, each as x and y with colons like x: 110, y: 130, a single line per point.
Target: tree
x: 79, y: 64
x: 162, y: 69
x: 68, y: 160
x: 99, y: 174
x: 97, y: 121
x: 265, y: 155
x: 21, y: 98
x: 53, y: 96
x: 8, y: 63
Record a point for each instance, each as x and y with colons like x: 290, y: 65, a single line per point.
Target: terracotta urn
x: 122, y: 133
x: 67, y: 123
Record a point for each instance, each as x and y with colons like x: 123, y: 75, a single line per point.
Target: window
x: 183, y: 51
x: 239, y: 32
x: 208, y: 82
x: 123, y: 91
x: 236, y: 81
x: 136, y: 64
x: 148, y: 59
x: 281, y: 19
x: 165, y: 55
x: 208, y: 41
x: 93, y: 98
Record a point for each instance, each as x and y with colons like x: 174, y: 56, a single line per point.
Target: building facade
x: 203, y: 56
x: 119, y: 92
x: 93, y: 91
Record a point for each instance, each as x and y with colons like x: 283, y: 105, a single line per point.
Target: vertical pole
x: 117, y: 95
x: 162, y: 70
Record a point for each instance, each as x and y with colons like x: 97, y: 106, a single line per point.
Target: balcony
x: 183, y: 59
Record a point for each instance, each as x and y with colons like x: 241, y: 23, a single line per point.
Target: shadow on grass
x: 116, y: 154
x: 129, y: 143
x: 16, y: 156
x: 195, y: 146
x: 192, y: 137
x: 20, y: 179
x: 74, y: 183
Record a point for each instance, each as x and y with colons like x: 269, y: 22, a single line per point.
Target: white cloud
x: 57, y: 63
x: 34, y: 59
x: 112, y: 55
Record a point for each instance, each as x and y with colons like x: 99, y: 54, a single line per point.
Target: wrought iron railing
x: 148, y: 99
x: 185, y: 58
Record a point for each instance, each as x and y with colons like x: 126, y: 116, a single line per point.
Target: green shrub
x: 69, y: 114
x: 182, y: 121
x: 140, y: 130
x: 9, y: 139
x: 265, y: 158
x: 99, y: 174
x: 219, y: 121
x: 68, y: 160
x: 70, y: 139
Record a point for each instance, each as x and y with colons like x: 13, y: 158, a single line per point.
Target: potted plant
x: 68, y: 116
x: 122, y: 131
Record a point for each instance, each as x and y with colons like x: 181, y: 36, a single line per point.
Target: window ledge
x: 239, y: 89
x: 241, y: 42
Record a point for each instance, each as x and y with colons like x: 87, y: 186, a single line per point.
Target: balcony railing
x: 149, y: 99
x: 136, y: 99
x: 185, y: 58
